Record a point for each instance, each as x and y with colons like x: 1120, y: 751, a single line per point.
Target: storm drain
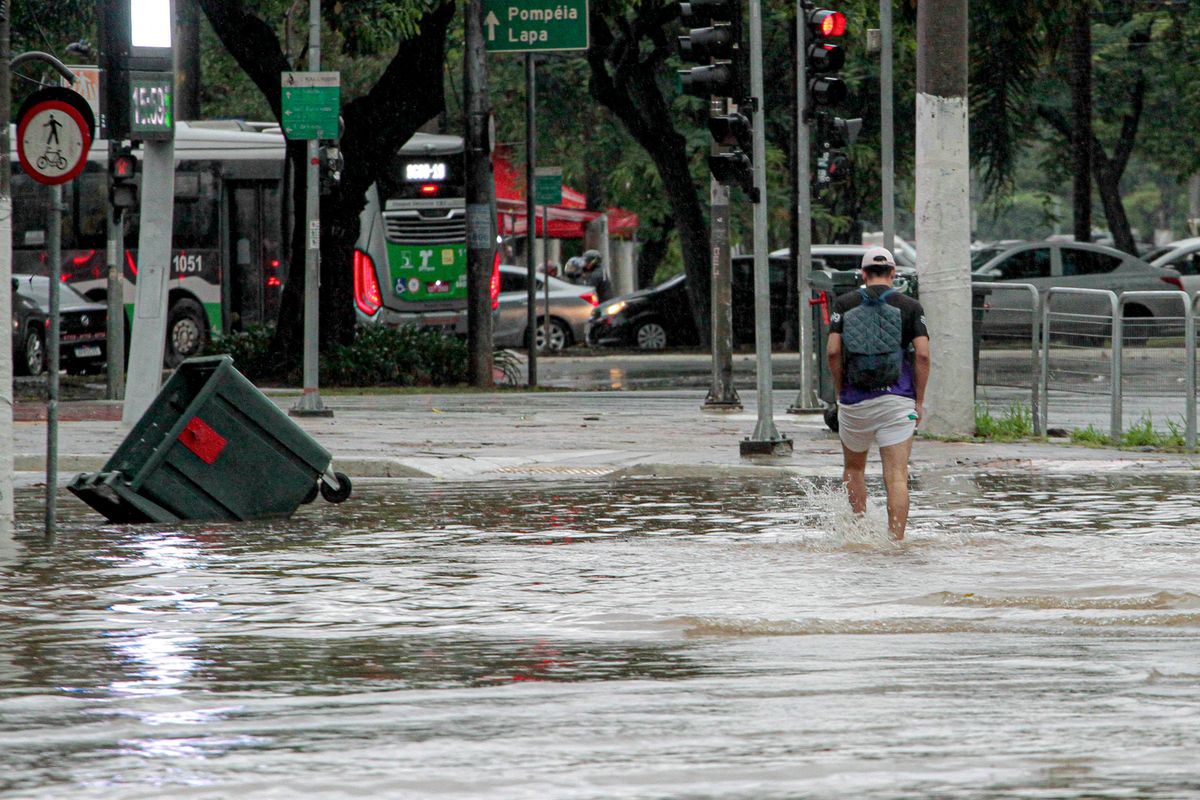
x: 553, y: 469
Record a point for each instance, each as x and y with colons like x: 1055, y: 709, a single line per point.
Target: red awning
x: 567, y: 221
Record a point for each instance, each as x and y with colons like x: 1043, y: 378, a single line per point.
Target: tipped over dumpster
x: 211, y: 447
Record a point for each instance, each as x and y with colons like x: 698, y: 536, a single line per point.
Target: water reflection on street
x: 1035, y: 636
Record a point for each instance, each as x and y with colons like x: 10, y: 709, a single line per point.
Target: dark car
x: 83, y: 325
x: 649, y: 319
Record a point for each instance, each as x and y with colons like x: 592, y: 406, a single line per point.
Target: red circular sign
x: 53, y: 140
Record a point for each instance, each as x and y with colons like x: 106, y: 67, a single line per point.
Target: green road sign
x: 310, y: 104
x: 547, y: 186
x: 522, y: 26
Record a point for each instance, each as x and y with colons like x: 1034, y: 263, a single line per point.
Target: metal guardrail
x: 1115, y: 370
x: 1035, y: 320
x: 1188, y: 304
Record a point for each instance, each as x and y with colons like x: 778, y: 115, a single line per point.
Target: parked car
x: 570, y: 307
x: 1182, y: 256
x: 1076, y: 264
x: 82, y: 328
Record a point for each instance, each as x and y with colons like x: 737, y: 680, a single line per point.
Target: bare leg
x: 895, y: 479
x: 854, y: 476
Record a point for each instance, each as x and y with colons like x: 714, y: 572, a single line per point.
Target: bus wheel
x: 185, y: 332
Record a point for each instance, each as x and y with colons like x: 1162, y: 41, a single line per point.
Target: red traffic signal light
x: 124, y: 167
x: 827, y: 23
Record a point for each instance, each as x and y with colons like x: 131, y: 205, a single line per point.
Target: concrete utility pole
x: 481, y: 222
x: 943, y: 223
x: 6, y: 365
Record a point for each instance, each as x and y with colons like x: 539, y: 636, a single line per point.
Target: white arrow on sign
x: 491, y: 22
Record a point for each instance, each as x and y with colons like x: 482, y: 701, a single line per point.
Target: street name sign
x: 310, y: 104
x: 547, y: 186
x: 529, y: 26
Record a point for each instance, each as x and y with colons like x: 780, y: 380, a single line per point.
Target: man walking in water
x: 879, y: 359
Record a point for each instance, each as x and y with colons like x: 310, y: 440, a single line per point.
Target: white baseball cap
x: 878, y: 256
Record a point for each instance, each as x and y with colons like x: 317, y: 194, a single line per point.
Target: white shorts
x: 885, y: 420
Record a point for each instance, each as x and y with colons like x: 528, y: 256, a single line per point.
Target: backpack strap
x: 870, y: 300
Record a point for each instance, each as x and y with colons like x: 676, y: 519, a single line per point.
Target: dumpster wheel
x: 339, y: 494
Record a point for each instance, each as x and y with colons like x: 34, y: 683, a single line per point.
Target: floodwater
x: 1034, y: 637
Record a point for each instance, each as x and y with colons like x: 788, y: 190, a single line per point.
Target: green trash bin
x: 211, y: 447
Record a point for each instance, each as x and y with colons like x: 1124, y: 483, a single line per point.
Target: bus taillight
x: 366, y: 287
x: 429, y: 189
x: 494, y: 286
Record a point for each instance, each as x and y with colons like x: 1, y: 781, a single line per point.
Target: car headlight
x: 612, y: 309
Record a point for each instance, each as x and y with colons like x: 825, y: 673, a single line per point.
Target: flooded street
x: 1036, y: 636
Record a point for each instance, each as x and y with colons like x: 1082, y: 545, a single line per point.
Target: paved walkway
x: 463, y: 436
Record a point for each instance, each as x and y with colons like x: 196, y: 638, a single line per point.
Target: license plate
x: 87, y: 351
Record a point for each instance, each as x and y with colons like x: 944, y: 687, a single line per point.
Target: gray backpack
x: 873, y: 334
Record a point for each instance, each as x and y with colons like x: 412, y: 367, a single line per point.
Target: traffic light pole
x: 7, y: 523
x: 806, y: 401
x: 531, y: 213
x: 887, y: 135
x: 766, y: 439
x: 310, y: 404
x: 115, y: 332
x: 722, y: 396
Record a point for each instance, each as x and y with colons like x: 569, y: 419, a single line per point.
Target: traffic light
x: 823, y: 59
x: 713, y: 40
x: 122, y: 174
x: 833, y: 163
x: 331, y: 166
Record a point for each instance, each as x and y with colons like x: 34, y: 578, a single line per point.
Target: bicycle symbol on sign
x: 52, y: 158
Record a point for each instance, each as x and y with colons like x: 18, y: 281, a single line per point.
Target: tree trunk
x: 625, y: 80
x: 187, y: 60
x: 1080, y: 77
x: 408, y: 94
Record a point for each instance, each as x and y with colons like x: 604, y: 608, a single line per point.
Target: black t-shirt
x: 912, y: 320
x: 912, y: 316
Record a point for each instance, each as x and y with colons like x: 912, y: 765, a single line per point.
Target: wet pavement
x: 589, y: 594
x: 1034, y: 637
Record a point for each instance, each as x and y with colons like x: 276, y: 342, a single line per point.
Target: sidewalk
x: 466, y: 436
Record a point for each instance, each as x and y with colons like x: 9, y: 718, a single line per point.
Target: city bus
x: 231, y: 227
x: 227, y: 258
x: 410, y: 262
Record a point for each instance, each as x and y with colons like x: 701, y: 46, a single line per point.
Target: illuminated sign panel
x: 151, y: 106
x: 150, y: 23
x: 425, y: 171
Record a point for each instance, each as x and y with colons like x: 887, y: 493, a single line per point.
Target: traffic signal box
x: 122, y: 177
x: 823, y: 60
x: 714, y: 40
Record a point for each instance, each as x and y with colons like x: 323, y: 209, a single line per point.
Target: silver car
x: 1076, y: 264
x: 570, y: 306
x: 1184, y: 257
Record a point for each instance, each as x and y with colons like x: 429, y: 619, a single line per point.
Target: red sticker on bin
x: 202, y: 440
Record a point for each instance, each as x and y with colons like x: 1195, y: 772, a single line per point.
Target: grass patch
x: 1016, y: 423
x: 1141, y: 434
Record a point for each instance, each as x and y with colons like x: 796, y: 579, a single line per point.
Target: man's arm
x: 920, y: 372
x: 833, y: 353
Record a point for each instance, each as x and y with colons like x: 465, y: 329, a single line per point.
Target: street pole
x: 943, y: 218
x: 806, y: 401
x: 7, y: 522
x: 54, y: 255
x: 766, y: 439
x: 531, y: 212
x: 887, y: 131
x: 481, y: 221
x: 310, y: 404
x: 115, y: 331
x: 722, y: 396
